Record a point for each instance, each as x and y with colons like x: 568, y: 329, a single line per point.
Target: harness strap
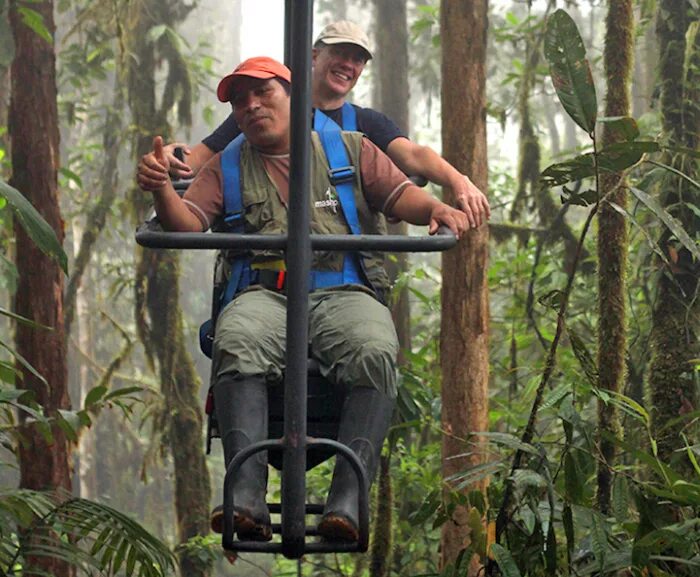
x: 342, y: 176
x: 241, y: 272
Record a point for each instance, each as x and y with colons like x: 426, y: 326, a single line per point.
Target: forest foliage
x: 539, y: 514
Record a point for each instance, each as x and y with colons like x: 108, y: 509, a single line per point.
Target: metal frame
x: 299, y: 245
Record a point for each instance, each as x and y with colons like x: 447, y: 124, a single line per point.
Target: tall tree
x: 464, y: 326
x: 391, y: 97
x: 159, y: 316
x: 34, y: 136
x: 612, y: 244
x: 675, y: 317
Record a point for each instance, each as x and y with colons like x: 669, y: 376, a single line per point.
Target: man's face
x: 338, y: 66
x: 261, y: 109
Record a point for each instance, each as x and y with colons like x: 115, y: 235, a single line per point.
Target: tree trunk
x: 97, y: 217
x: 391, y: 78
x: 159, y: 317
x: 645, y: 67
x: 612, y: 246
x: 465, y: 320
x: 391, y: 90
x: 33, y: 124
x: 676, y: 313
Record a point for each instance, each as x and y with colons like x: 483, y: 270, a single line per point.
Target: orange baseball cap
x: 257, y: 67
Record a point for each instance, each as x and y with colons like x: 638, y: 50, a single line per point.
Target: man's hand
x: 471, y: 201
x: 445, y: 215
x: 178, y: 168
x: 152, y: 173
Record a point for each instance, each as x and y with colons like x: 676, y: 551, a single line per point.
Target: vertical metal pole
x: 288, y: 47
x: 298, y: 265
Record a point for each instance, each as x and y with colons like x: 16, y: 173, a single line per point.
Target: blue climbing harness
x: 342, y: 176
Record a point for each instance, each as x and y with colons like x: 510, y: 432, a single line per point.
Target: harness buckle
x: 229, y: 217
x: 341, y: 175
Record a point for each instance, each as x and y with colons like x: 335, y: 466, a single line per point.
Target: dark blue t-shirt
x: 378, y: 127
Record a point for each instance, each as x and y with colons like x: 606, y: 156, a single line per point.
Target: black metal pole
x: 298, y: 266
x: 288, y: 47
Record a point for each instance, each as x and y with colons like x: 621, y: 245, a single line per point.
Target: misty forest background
x: 547, y: 422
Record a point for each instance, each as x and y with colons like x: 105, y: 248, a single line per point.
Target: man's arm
x: 413, y: 158
x: 194, y: 158
x: 153, y: 176
x: 416, y: 206
x: 198, y: 155
x: 386, y: 188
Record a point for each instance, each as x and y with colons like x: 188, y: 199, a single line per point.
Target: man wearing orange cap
x: 340, y: 53
x: 350, y: 330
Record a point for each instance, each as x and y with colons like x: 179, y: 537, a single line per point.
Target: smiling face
x: 261, y: 109
x: 336, y: 69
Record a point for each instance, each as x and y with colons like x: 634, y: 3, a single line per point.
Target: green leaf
x: 95, y: 394
x: 650, y: 241
x: 567, y: 519
x: 69, y: 421
x: 673, y: 224
x: 599, y: 539
x: 34, y: 224
x: 573, y: 480
x: 508, y: 440
x: 505, y: 561
x: 427, y: 508
x: 23, y: 320
x: 584, y: 357
x: 675, y: 171
x: 7, y: 373
x: 35, y: 21
x: 553, y: 397
x: 72, y: 176
x: 156, y: 32
x: 615, y: 158
x: 584, y: 198
x: 551, y: 553
x: 570, y: 71
x: 8, y: 271
x: 621, y: 127
x: 621, y: 155
x: 24, y: 362
x: 577, y: 168
x: 691, y: 454
x: 529, y: 478
x: 620, y: 499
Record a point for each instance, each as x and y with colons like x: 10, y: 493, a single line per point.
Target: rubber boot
x: 364, y: 423
x: 241, y: 412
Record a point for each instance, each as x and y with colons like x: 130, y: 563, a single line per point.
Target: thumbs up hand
x: 152, y: 172
x: 159, y: 153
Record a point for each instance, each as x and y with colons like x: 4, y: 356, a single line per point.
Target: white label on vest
x: 330, y: 202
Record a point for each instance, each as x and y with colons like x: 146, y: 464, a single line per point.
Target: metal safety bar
x: 320, y: 547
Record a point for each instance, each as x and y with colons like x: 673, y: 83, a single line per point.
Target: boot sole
x: 247, y: 528
x: 335, y: 527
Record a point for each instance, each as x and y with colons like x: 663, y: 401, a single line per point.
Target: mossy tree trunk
x: 612, y: 245
x: 34, y: 136
x: 672, y: 380
x: 465, y: 312
x: 159, y: 317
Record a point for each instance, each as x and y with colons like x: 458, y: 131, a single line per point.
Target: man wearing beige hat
x: 340, y: 53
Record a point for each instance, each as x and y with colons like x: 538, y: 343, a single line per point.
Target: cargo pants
x: 351, y: 334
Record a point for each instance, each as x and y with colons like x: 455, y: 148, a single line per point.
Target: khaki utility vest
x: 265, y: 213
